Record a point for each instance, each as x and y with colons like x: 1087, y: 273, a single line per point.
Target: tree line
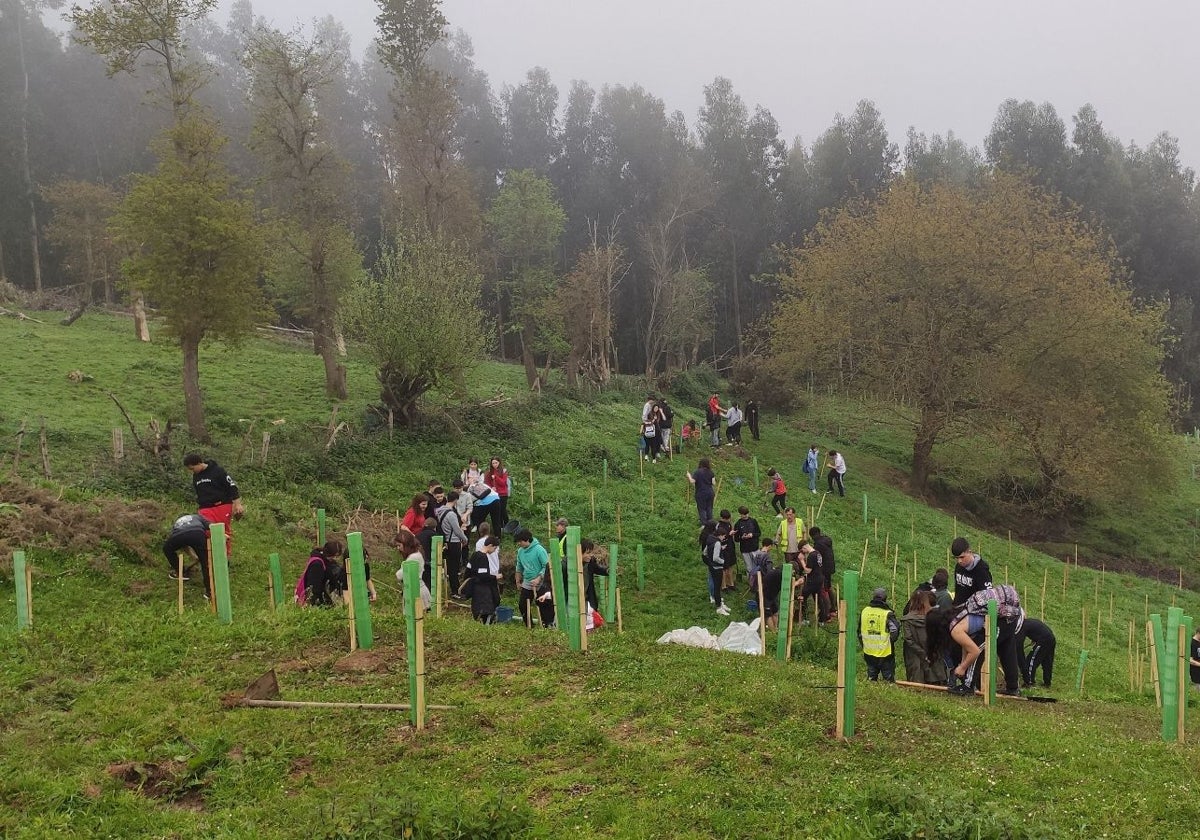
x: 589, y: 230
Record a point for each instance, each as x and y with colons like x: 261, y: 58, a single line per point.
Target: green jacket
x: 532, y: 562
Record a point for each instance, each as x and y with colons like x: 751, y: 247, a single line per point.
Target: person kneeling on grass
x: 323, y: 576
x: 878, y: 630
x: 188, y: 531
x: 533, y: 565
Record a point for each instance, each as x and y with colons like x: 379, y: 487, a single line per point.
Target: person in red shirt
x: 496, y: 477
x: 217, y: 494
x: 414, y: 517
x: 715, y: 413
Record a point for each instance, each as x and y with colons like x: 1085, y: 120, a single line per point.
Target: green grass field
x: 112, y: 690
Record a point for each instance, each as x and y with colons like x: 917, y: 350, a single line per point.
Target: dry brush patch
x: 36, y: 517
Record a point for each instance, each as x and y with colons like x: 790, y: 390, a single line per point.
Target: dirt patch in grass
x: 34, y: 517
x: 362, y: 661
x: 158, y: 781
x: 139, y: 587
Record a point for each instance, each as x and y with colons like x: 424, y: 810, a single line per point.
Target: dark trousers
x: 197, y: 541
x: 704, y: 506
x: 501, y: 514
x: 779, y: 502
x: 1040, y: 655
x: 835, y: 476
x: 715, y: 576
x: 818, y: 594
x: 885, y: 665
x: 653, y: 445
x: 753, y: 423
x: 453, y: 558
x: 734, y: 432
x: 545, y: 608
x: 1006, y: 655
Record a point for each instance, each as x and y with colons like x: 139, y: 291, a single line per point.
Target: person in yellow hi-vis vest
x: 878, y: 631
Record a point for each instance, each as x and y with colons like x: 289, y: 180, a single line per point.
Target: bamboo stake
x: 348, y: 596
x: 313, y: 704
x: 717, y: 491
x: 1083, y: 618
x: 876, y: 527
x: 1152, y: 655
x: 618, y: 523
x: 1110, y: 605
x: 531, y: 486
x: 1066, y: 570
x: 863, y: 564
x: 179, y: 572
x: 212, y: 581
x: 620, y: 623
x: 956, y: 527
x: 1181, y: 587
x: 1129, y: 657
x: 791, y: 624
x: 762, y: 618
x: 1099, y: 618
x: 641, y: 469
x: 840, y: 726
x: 29, y: 594
x: 820, y: 507
x: 419, y: 612
x: 652, y: 494
x: 1181, y: 671
x: 1042, y: 610
x: 895, y: 564
x: 912, y: 528
x: 549, y: 527
x: 592, y: 494
x: 1006, y: 574
x: 816, y: 616
x: 270, y: 591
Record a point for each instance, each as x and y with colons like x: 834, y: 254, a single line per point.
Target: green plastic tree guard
x: 358, y: 591
x: 320, y: 526
x: 22, y: 593
x: 220, y: 563
x: 277, y: 579
x: 994, y: 615
x: 850, y: 596
x: 610, y: 599
x: 641, y: 568
x: 785, y: 614
x: 1168, y: 676
x: 412, y: 592
x: 435, y: 575
x: 556, y: 586
x: 574, y: 628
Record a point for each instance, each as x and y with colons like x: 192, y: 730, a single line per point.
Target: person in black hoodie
x: 480, y: 583
x: 712, y: 553
x: 425, y: 539
x: 189, y: 531
x: 591, y: 568
x: 217, y: 496
x: 824, y: 543
x: 1041, y: 654
x: 814, y: 581
x: 323, y: 576
x: 971, y: 572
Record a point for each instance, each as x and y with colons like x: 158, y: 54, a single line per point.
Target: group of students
x: 734, y: 418
x: 944, y: 633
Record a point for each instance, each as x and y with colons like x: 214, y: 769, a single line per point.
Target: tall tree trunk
x: 926, y: 436
x: 193, y: 399
x: 737, y: 301
x: 531, y: 371
x: 335, y: 372
x: 34, y: 248
x: 140, y: 327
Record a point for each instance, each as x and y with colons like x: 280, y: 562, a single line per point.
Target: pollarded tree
x: 196, y: 249
x: 974, y: 308
x: 390, y: 313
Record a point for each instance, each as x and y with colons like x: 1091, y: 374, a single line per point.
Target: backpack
x: 649, y: 431
x: 301, y: 596
x: 480, y: 490
x: 441, y: 519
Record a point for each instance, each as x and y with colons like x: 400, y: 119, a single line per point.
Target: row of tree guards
x: 1167, y: 649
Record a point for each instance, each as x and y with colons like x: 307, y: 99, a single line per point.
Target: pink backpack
x: 301, y: 595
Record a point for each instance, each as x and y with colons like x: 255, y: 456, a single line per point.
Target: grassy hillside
x: 111, y: 723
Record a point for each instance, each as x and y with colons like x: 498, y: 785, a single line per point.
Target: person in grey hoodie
x: 450, y: 527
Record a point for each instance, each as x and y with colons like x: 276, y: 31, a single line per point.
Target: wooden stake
x: 270, y: 591
x: 887, y: 539
x: 877, y: 528
x: 212, y: 581
x: 895, y: 565
x: 1006, y: 574
x: 1042, y: 610
x: 717, y: 491
x: 1181, y: 671
x: 592, y: 494
x: 1180, y: 586
x: 1076, y: 555
x: 652, y: 494
x: 1083, y: 618
x: 266, y: 447
x: 1129, y: 658
x: 1066, y: 571
x: 620, y: 622
x: 863, y: 564
x: 419, y: 700
x: 118, y: 444
x: 618, y: 523
x: 820, y: 507
x: 549, y: 526
x: 956, y: 527
x: 791, y: 622
x: 531, y: 486
x: 29, y: 593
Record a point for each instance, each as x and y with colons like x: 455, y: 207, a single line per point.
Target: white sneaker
x: 814, y: 492
x: 779, y: 516
x: 712, y: 600
x: 722, y: 610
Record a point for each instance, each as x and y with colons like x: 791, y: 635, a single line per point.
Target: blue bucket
x: 504, y: 615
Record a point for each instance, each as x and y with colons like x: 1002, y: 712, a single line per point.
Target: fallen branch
x: 20, y: 316
x: 313, y: 704
x: 129, y: 420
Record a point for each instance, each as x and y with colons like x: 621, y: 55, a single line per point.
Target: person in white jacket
x: 837, y: 469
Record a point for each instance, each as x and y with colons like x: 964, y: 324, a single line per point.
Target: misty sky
x: 933, y: 65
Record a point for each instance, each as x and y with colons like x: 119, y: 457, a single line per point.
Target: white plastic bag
x: 741, y: 637
x: 691, y: 637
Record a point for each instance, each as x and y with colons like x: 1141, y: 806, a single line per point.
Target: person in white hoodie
x: 733, y: 425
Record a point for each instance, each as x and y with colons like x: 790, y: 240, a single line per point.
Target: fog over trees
x: 605, y: 233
